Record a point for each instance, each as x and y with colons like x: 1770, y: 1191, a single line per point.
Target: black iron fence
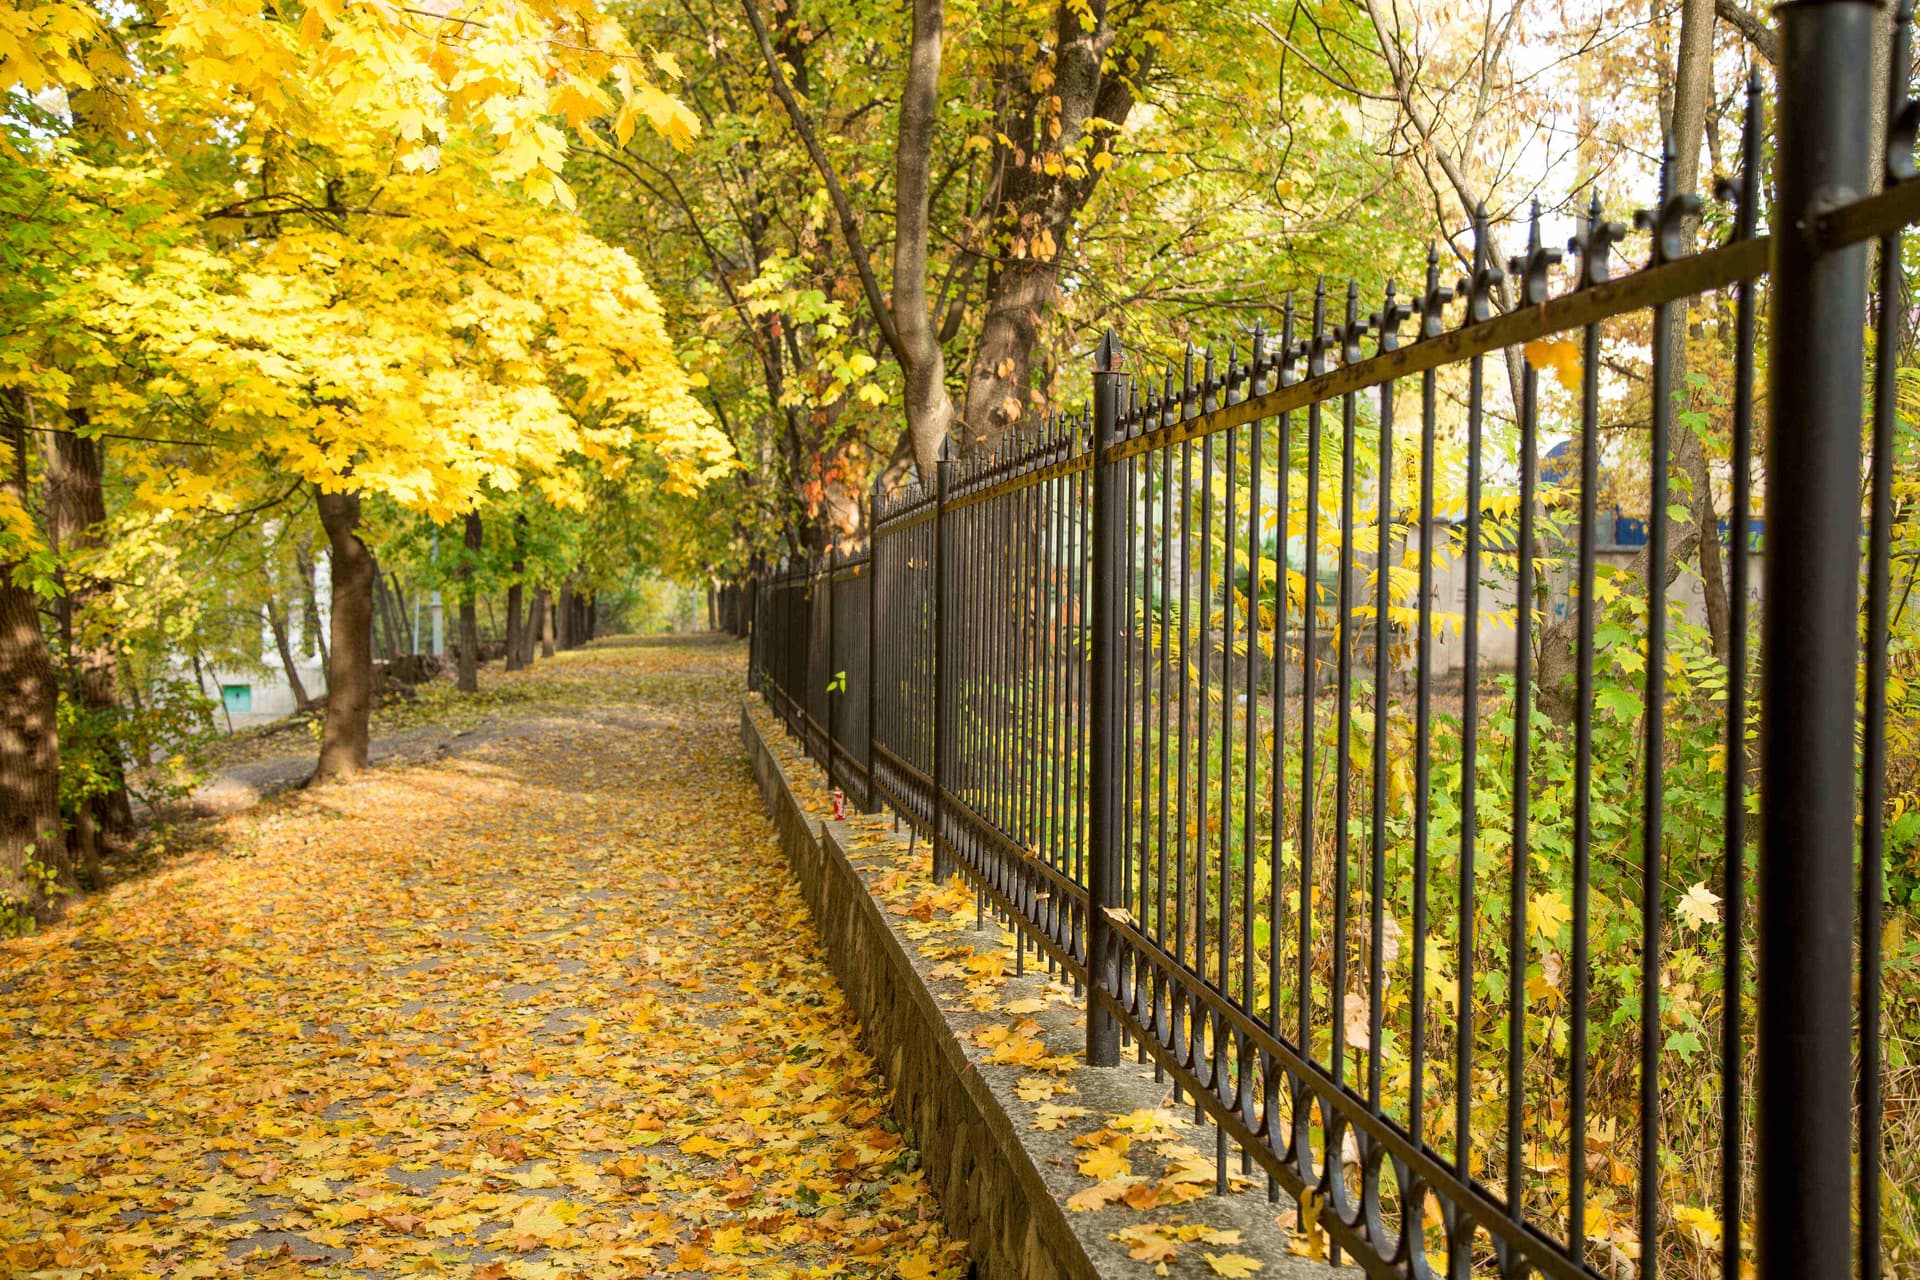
x: 1446, y: 954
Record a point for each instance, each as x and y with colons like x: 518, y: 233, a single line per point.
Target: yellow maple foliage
x: 467, y: 340
x: 343, y: 72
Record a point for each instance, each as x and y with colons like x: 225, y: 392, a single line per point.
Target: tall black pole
x: 832, y: 726
x: 1109, y: 550
x: 872, y: 799
x: 942, y: 667
x: 753, y: 624
x: 1812, y: 564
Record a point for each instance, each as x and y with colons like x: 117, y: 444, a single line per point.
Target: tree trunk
x: 343, y: 738
x: 515, y: 659
x: 396, y: 618
x: 313, y: 635
x: 543, y: 610
x: 999, y: 380
x: 1692, y: 89
x: 469, y: 681
x: 403, y: 623
x: 517, y: 647
x: 383, y: 617
x: 566, y: 615
x: 713, y: 607
x: 901, y: 318
x: 1089, y: 90
x: 277, y: 621
x: 31, y: 840
x: 76, y: 508
x: 1699, y: 535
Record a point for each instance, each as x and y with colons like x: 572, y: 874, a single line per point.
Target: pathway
x: 549, y: 1007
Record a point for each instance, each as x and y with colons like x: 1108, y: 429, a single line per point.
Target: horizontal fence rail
x: 1292, y: 705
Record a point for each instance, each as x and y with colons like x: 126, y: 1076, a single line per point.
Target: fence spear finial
x: 1386, y: 321
x: 1533, y: 269
x: 1285, y: 354
x: 1355, y: 327
x: 1433, y: 302
x: 1594, y: 243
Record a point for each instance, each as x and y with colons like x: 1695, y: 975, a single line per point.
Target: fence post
x: 752, y: 607
x: 1804, y: 970
x: 1109, y: 551
x: 830, y: 730
x: 873, y: 633
x: 942, y: 674
x: 800, y: 615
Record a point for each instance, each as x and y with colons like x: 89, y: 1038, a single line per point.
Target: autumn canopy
x: 264, y: 259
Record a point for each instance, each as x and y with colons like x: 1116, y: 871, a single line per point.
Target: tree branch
x: 1763, y: 38
x: 849, y: 227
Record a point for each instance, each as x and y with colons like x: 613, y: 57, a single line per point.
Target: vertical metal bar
x: 1808, y: 678
x: 1432, y: 319
x: 873, y: 648
x: 1013, y: 630
x: 942, y: 663
x: 974, y: 671
x: 1309, y: 639
x: 1250, y: 788
x: 999, y: 641
x: 1103, y: 1033
x: 1387, y: 325
x: 1050, y: 604
x: 1734, y: 887
x: 1066, y: 750
x: 831, y: 728
x: 1030, y: 670
x: 1250, y: 737
x: 1532, y: 271
x: 1145, y: 469
x: 1230, y: 532
x: 966, y: 639
x: 1522, y: 783
x: 1479, y: 306
x: 1653, y: 775
x: 1126, y: 569
x: 1083, y: 663
x: 1594, y: 243
x: 1343, y: 693
x: 1133, y: 892
x: 1283, y: 474
x: 1899, y: 166
x: 1202, y: 792
x: 1185, y: 748
x: 1166, y: 650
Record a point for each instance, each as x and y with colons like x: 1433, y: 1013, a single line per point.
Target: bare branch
x: 1763, y: 38
x: 842, y: 207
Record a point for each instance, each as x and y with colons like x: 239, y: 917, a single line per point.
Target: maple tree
x: 337, y: 266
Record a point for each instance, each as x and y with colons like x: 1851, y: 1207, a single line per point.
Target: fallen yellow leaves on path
x: 550, y: 1009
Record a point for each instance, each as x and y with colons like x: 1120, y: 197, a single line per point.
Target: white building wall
x: 269, y: 695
